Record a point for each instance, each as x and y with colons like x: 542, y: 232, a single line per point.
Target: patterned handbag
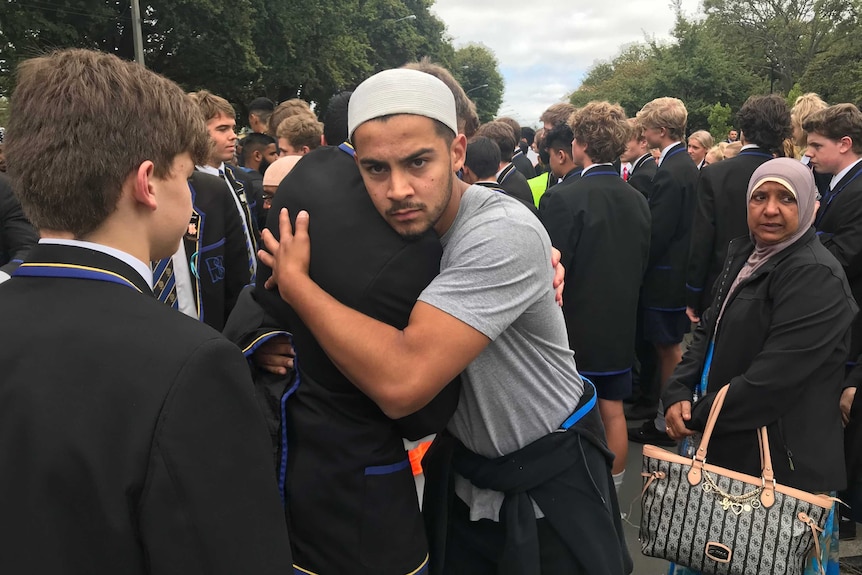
x: 721, y: 522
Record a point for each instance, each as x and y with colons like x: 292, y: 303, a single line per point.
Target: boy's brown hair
x: 81, y: 122
x: 211, y: 105
x: 301, y: 130
x: 286, y: 109
x: 837, y: 121
x: 603, y: 128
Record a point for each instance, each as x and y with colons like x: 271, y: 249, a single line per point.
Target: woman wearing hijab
x: 777, y: 332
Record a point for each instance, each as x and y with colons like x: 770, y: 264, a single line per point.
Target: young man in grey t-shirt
x: 491, y: 314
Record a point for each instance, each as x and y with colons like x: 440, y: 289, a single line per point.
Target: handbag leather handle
x: 695, y: 474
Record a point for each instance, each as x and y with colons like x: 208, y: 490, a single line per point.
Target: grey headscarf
x: 797, y: 178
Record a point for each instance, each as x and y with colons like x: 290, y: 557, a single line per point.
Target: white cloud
x: 545, y: 50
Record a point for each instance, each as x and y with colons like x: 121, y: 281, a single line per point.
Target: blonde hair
x: 730, y: 150
x: 716, y: 152
x: 704, y: 138
x: 804, y: 106
x: 668, y: 113
x: 636, y: 130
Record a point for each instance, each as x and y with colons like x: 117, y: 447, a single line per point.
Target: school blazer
x: 839, y: 226
x: 130, y: 441
x: 216, y: 249
x: 671, y: 205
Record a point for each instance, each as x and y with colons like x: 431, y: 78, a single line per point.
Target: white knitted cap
x: 401, y: 91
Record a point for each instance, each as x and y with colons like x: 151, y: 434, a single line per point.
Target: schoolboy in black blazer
x: 130, y: 441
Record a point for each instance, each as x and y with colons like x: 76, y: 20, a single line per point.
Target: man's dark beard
x: 407, y: 205
x: 264, y: 164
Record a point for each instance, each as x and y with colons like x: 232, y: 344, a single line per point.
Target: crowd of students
x: 392, y: 271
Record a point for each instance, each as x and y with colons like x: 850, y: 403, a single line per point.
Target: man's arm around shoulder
x: 401, y: 370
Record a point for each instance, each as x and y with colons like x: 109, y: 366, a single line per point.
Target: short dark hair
x: 560, y: 138
x: 261, y: 105
x: 528, y: 134
x: 335, y: 119
x: 483, y: 157
x: 837, y: 121
x: 503, y: 134
x: 125, y: 115
x: 256, y: 142
x: 765, y: 121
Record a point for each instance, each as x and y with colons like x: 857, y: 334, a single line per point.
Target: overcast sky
x: 544, y: 50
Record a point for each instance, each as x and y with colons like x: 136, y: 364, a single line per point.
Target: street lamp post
x: 410, y: 17
x: 137, y: 36
x: 476, y: 88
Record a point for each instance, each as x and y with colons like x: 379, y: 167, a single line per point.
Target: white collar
x: 665, y: 151
x: 591, y: 166
x: 211, y: 170
x: 748, y: 147
x: 840, y: 175
x: 143, y: 269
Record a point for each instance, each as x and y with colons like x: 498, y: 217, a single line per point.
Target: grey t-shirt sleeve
x: 499, y: 268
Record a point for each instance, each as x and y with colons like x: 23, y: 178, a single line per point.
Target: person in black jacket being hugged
x: 778, y: 332
x: 602, y: 227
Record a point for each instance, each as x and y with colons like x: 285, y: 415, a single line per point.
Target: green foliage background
x: 241, y: 49
x: 733, y: 49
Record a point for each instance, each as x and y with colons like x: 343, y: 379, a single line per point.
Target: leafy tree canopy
x: 239, y: 49
x: 476, y: 69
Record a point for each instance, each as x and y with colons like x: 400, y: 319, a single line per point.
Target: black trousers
x: 474, y: 547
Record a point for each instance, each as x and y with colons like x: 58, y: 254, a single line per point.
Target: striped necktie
x: 246, y: 219
x: 164, y: 282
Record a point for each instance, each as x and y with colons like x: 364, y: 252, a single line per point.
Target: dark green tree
x: 693, y: 66
x: 475, y: 67
x: 236, y: 48
x: 837, y: 73
x: 781, y: 37
x: 628, y: 79
x: 696, y: 69
x: 720, y: 121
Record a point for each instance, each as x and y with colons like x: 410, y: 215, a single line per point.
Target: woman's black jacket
x: 782, y: 345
